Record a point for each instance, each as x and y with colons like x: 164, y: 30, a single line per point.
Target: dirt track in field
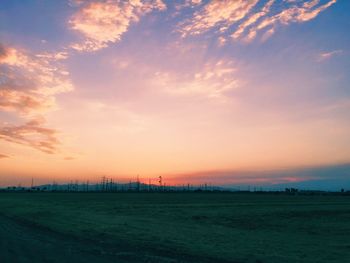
x: 20, y: 243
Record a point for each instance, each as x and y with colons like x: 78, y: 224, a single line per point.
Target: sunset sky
x: 228, y: 92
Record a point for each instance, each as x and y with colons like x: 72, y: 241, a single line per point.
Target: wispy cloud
x: 216, y: 14
x: 296, y: 13
x: 253, y: 19
x: 327, y: 55
x: 33, y: 134
x: 23, y: 102
x: 104, y: 22
x: 222, y: 41
x: 247, y: 18
x: 3, y: 156
x: 29, y: 84
x: 186, y: 3
x: 213, y: 80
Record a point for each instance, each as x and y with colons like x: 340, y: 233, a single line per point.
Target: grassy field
x: 193, y: 227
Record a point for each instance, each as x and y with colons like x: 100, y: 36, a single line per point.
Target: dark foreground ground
x: 173, y: 227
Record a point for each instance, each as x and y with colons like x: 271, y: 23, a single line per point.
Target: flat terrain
x: 173, y: 227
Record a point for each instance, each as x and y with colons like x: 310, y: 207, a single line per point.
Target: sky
x: 227, y: 92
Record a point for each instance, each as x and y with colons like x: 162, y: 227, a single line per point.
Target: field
x: 173, y: 227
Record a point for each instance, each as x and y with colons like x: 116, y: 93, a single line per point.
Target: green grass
x: 218, y: 226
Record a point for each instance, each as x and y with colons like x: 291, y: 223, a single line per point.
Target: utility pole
x: 103, y: 182
x: 160, y: 182
x: 138, y: 184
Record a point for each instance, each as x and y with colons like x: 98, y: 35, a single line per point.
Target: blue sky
x: 170, y: 88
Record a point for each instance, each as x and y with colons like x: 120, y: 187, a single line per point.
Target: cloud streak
x: 293, y: 14
x: 3, y: 156
x: 315, y: 176
x: 327, y: 55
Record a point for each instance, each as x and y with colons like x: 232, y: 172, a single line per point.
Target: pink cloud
x: 238, y: 177
x: 246, y: 23
x: 30, y: 82
x: 212, y: 80
x: 252, y: 19
x: 294, y: 14
x: 28, y: 88
x: 220, y: 14
x: 3, y: 156
x: 104, y: 22
x: 33, y: 134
